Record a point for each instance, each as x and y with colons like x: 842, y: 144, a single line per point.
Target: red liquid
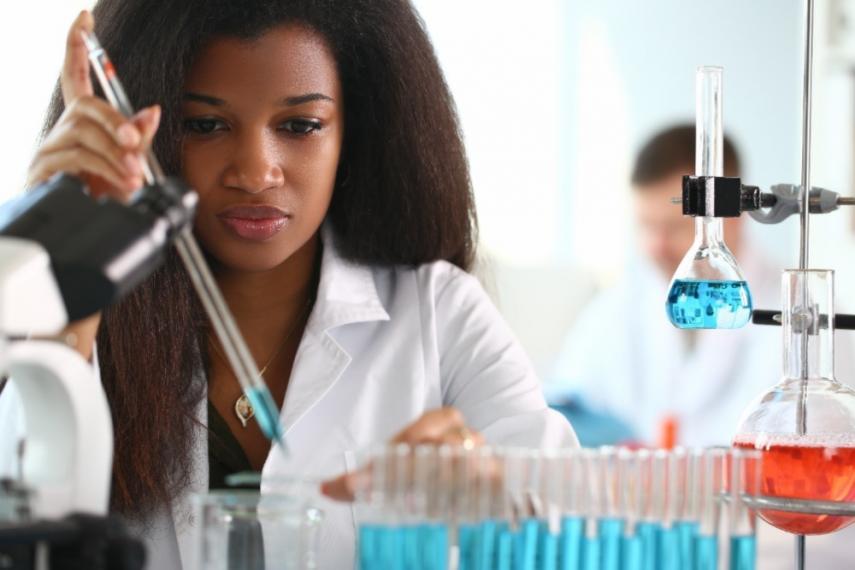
x: 807, y: 472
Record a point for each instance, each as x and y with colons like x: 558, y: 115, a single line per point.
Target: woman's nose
x: 255, y: 167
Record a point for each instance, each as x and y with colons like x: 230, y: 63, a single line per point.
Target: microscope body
x: 64, y: 256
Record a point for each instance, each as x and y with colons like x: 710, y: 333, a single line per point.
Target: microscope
x: 65, y: 255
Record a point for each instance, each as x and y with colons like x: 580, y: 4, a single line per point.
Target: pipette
x: 229, y: 336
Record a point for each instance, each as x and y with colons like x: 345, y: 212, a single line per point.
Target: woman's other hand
x: 438, y: 427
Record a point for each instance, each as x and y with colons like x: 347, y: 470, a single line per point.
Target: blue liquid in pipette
x: 706, y: 552
x: 547, y: 549
x: 525, y: 545
x: 668, y: 549
x: 433, y: 546
x: 570, y: 545
x: 686, y: 531
x: 610, y: 531
x: 632, y: 553
x: 648, y: 532
x: 591, y: 553
x: 743, y: 553
x: 696, y: 304
x: 266, y: 414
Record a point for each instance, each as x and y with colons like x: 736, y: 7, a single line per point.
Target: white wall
x: 31, y: 51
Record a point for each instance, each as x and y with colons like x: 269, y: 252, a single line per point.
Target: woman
x: 337, y: 213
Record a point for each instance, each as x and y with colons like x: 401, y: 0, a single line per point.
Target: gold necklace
x: 243, y: 408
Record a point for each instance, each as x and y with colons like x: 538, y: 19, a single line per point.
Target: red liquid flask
x: 805, y: 426
x: 804, y: 471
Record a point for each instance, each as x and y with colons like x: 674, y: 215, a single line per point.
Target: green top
x: 225, y: 455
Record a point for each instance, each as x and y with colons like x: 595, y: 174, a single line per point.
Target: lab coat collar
x: 346, y: 291
x: 346, y: 295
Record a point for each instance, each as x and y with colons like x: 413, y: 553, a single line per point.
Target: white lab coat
x: 382, y: 346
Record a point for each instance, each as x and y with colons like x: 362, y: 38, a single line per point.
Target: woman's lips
x: 257, y: 223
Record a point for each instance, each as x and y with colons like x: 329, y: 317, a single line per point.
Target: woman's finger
x: 342, y: 488
x: 75, y: 81
x: 82, y: 161
x: 85, y: 132
x: 124, y: 131
x: 431, y: 427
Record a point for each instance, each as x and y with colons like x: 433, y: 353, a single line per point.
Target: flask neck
x: 808, y: 324
x: 709, y: 232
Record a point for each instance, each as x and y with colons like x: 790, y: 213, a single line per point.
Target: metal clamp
x: 784, y: 202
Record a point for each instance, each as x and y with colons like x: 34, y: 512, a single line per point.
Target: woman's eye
x: 300, y: 126
x: 203, y: 126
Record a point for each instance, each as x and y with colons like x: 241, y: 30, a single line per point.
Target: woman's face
x: 263, y: 122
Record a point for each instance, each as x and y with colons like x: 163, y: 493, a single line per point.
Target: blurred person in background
x: 624, y: 360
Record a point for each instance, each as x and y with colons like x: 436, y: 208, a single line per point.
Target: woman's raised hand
x: 91, y: 139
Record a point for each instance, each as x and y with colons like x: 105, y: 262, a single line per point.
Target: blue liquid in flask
x: 696, y: 304
x: 706, y: 552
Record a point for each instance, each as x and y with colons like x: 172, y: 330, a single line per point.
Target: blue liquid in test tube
x: 547, y: 549
x: 648, y: 532
x: 631, y: 553
x: 687, y: 531
x: 668, y: 549
x: 433, y: 546
x: 611, y: 532
x: 570, y: 544
x: 591, y: 553
x: 743, y: 552
x: 706, y: 553
x: 486, y: 545
x: 696, y: 304
x: 467, y: 544
x: 369, y: 547
x: 410, y: 544
x: 525, y: 545
x: 504, y: 547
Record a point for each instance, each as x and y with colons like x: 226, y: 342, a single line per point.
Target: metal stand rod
x: 805, y: 231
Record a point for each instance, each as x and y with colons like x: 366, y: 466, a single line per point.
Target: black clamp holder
x: 773, y: 318
x: 721, y: 197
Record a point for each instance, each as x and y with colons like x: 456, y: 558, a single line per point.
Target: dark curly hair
x: 402, y: 196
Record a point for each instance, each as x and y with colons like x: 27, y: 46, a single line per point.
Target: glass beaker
x: 708, y: 290
x: 246, y: 530
x: 805, y: 425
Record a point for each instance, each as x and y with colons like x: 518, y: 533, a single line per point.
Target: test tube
x: 665, y: 470
x: 234, y: 346
x: 371, y: 497
x: 689, y: 505
x: 710, y: 486
x: 610, y: 525
x: 489, y: 494
x: 574, y: 495
x: 591, y: 553
x: 648, y: 525
x: 744, y: 481
x: 431, y: 530
x: 465, y: 508
x: 549, y: 518
x: 632, y: 546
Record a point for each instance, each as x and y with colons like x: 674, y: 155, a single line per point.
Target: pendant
x: 243, y: 409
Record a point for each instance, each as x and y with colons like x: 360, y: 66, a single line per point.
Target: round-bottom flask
x: 805, y: 426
